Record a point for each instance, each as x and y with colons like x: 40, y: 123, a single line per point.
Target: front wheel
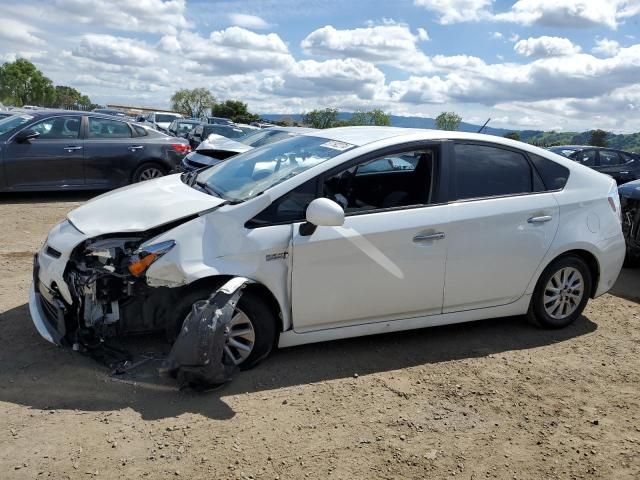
x: 251, y: 334
x: 561, y: 294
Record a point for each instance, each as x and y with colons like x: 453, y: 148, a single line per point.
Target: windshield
x: 251, y: 173
x: 11, y: 123
x: 166, y: 118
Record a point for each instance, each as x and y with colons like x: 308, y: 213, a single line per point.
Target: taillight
x: 181, y: 148
x: 614, y: 201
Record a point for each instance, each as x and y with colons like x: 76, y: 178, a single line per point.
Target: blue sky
x: 539, y: 64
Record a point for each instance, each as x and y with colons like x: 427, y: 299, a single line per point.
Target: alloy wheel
x: 150, y: 173
x: 240, y: 338
x: 563, y: 293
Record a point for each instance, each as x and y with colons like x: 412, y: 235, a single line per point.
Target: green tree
x: 448, y: 121
x: 598, y: 138
x: 325, y: 118
x: 193, y: 103
x: 234, y: 110
x: 512, y: 136
x: 67, y: 97
x: 21, y: 83
x: 372, y: 117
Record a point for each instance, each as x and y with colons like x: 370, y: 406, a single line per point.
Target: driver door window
x: 58, y: 128
x: 393, y: 181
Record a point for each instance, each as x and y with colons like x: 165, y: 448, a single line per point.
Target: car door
x: 612, y: 163
x: 387, y: 261
x: 53, y: 159
x: 502, y: 223
x: 111, y: 152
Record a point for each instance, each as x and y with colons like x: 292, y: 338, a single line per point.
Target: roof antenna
x: 485, y: 124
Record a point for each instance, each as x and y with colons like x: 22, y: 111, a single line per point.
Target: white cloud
x: 313, y: 78
x: 156, y: 16
x: 606, y: 47
x: 19, y: 32
x: 549, y: 13
x: 229, y: 51
x: 248, y: 21
x: 570, y: 13
x: 115, y: 50
x: 545, y: 47
x: 393, y: 44
x: 455, y: 11
x: 497, y: 35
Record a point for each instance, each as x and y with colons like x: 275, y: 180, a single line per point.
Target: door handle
x: 542, y: 219
x: 136, y: 147
x: 72, y: 148
x: 624, y: 173
x: 427, y: 237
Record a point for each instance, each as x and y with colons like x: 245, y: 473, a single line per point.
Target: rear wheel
x: 561, y: 294
x: 148, y: 171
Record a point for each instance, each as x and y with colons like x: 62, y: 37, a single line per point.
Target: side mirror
x: 322, y: 212
x: 26, y: 134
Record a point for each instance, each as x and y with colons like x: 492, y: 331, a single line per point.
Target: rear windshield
x: 165, y: 118
x: 11, y: 123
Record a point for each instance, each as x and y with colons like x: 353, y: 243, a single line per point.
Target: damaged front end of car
x: 110, y: 294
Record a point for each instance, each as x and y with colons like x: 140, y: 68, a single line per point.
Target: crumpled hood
x: 141, y: 206
x: 218, y: 142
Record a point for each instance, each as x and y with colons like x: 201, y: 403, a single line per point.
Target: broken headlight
x: 145, y: 256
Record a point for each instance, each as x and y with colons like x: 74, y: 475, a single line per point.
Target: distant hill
x: 397, y: 121
x: 629, y: 142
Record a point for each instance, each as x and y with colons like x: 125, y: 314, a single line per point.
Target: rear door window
x: 485, y: 171
x: 585, y: 157
x: 104, y: 128
x: 609, y: 158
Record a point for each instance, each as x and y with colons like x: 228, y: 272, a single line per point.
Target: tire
x: 148, y: 171
x: 256, y: 311
x: 565, y: 274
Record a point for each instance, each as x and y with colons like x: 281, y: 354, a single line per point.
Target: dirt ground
x: 492, y: 399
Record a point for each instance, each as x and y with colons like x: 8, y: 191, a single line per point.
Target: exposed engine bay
x: 111, y: 296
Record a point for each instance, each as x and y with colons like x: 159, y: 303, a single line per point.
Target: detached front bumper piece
x: 197, y: 357
x: 47, y: 309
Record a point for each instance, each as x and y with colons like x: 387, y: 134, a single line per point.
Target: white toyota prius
x: 337, y: 233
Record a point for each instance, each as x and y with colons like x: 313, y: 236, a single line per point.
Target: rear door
x: 502, y: 223
x: 53, y: 159
x: 111, y: 152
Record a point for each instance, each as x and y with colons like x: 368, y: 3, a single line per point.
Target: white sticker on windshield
x: 336, y: 145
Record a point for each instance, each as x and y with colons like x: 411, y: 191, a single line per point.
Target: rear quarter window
x: 553, y: 174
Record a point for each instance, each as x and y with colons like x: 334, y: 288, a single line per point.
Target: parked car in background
x: 161, y: 120
x: 61, y: 149
x: 217, y: 120
x: 328, y: 249
x: 181, y: 127
x: 110, y: 111
x: 215, y: 149
x: 203, y: 131
x: 622, y: 166
x: 263, y: 124
x: 246, y: 128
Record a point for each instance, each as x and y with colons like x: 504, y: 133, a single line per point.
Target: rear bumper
x: 611, y: 258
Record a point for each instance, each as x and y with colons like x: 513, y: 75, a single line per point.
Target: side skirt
x: 291, y: 338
